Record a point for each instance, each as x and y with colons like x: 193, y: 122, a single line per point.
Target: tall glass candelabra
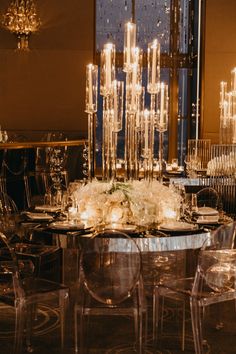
x: 91, y: 109
x: 133, y: 102
x: 140, y: 123
x: 228, y: 111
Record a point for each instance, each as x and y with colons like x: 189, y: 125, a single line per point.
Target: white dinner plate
x: 66, y: 225
x: 122, y: 227
x: 38, y: 216
x: 177, y: 226
x: 48, y: 208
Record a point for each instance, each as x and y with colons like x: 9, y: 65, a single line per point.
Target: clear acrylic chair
x: 110, y: 282
x: 183, y: 290
x: 51, y: 170
x: 214, y: 282
x: 208, y: 197
x: 23, y: 291
x: 199, y: 153
x: 8, y: 214
x: 221, y: 172
x: 46, y: 259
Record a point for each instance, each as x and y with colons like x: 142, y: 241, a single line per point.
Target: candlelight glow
x: 116, y: 214
x: 89, y: 214
x: 140, y: 124
x: 170, y: 214
x: 137, y: 202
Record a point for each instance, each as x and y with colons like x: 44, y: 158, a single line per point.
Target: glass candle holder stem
x: 161, y: 136
x: 91, y: 146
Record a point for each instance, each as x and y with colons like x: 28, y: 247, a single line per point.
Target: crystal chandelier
x: 22, y: 20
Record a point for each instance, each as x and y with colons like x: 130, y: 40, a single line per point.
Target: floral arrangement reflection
x: 138, y: 202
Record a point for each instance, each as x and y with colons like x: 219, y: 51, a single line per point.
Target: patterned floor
x: 115, y: 335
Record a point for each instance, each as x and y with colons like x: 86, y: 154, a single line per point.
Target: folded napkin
x: 66, y: 225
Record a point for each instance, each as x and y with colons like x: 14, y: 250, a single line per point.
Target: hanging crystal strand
x: 151, y: 154
x: 127, y: 129
x: 161, y: 133
x: 138, y: 126
x: 126, y: 145
x: 103, y: 139
x: 136, y: 150
x: 90, y: 147
x: 130, y: 128
x: 106, y: 140
x: 132, y: 146
x: 147, y: 144
x: 91, y: 109
x: 106, y: 89
x: 116, y: 110
x: 114, y: 156
x: 110, y: 151
x: 162, y: 123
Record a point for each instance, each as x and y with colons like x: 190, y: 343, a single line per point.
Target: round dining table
x: 151, y: 245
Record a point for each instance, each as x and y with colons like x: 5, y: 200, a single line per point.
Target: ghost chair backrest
x: 111, y: 264
x: 222, y: 238
x: 208, y: 197
x: 110, y: 274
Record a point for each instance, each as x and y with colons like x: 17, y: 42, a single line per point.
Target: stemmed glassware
x: 180, y: 189
x: 69, y: 207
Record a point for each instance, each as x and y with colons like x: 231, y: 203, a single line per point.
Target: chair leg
x: 76, y: 310
x: 81, y: 329
x: 63, y: 303
x: 145, y: 328
x: 196, y: 325
x: 154, y: 315
x: 183, y: 328
x: 140, y: 314
x: 162, y: 311
x: 19, y: 328
x: 31, y: 310
x: 76, y: 329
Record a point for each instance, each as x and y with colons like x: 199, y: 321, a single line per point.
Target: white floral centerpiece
x: 139, y: 202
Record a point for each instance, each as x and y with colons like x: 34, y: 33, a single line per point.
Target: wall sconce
x: 21, y: 19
